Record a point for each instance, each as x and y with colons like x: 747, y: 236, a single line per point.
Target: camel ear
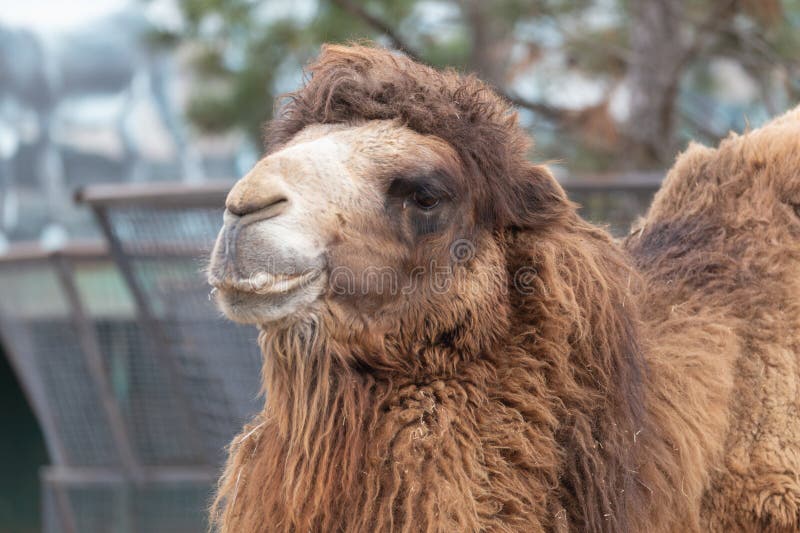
x: 535, y: 200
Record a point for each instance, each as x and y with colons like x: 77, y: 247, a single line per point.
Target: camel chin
x: 265, y: 297
x: 254, y: 308
x: 262, y: 272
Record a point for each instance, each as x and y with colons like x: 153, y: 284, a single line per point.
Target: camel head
x: 386, y: 191
x: 397, y: 245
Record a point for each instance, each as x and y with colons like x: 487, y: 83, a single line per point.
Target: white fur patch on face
x: 290, y: 208
x: 258, y: 259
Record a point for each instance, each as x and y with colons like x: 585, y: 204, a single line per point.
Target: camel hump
x: 723, y: 237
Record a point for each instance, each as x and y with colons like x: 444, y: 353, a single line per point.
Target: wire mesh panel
x: 41, y: 339
x: 140, y: 386
x: 98, y: 383
x: 164, y: 246
x: 105, y: 502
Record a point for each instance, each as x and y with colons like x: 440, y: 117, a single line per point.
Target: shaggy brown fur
x: 560, y: 392
x: 723, y: 237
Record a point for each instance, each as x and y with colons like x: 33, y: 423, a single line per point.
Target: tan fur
x: 561, y: 383
x: 722, y: 238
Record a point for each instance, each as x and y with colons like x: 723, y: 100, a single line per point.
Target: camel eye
x: 424, y: 200
x: 422, y: 195
x: 796, y: 208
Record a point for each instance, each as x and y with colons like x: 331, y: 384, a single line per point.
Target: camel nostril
x: 268, y: 207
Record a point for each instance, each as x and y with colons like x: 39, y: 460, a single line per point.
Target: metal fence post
x: 94, y: 362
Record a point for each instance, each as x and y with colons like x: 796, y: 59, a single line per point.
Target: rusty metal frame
x: 598, y: 187
x: 88, y: 476
x: 171, y: 195
x: 62, y: 263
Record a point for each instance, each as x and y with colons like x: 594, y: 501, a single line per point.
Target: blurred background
x: 119, y: 383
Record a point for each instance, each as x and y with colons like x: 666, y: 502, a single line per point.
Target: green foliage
x: 245, y: 52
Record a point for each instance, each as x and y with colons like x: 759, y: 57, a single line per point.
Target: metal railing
x: 160, y: 239
x: 69, y: 327
x: 614, y: 200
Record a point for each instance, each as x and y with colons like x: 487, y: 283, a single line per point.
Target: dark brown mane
x: 359, y: 83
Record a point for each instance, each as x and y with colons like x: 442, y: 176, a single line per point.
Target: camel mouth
x: 264, y: 270
x: 266, y: 297
x: 265, y: 283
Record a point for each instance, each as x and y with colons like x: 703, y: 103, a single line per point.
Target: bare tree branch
x: 559, y: 116
x: 550, y: 112
x: 379, y: 25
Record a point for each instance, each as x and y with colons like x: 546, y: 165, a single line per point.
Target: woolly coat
x: 650, y: 387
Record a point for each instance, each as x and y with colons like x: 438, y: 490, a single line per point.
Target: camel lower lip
x: 266, y: 283
x: 281, y: 297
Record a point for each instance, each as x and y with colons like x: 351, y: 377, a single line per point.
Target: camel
x: 448, y: 346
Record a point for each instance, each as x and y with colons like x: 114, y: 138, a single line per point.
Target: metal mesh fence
x: 40, y: 336
x: 104, y: 502
x: 218, y: 361
x: 131, y: 370
x: 118, y: 413
x: 134, y: 366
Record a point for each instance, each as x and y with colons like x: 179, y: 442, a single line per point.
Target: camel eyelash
x: 428, y: 185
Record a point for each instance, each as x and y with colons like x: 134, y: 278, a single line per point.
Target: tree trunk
x: 491, y: 41
x: 659, y: 50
